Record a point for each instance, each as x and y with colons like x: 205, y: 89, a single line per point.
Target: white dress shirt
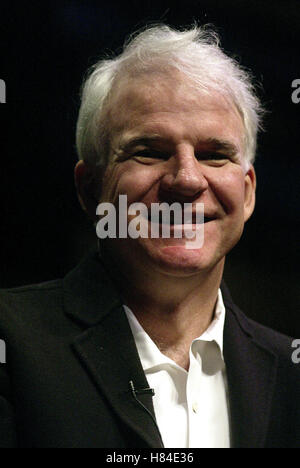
x: 191, y: 407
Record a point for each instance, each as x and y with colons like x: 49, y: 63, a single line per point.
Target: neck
x: 173, y: 310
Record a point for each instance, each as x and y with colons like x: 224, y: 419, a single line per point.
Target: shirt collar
x: 216, y: 328
x: 149, y: 353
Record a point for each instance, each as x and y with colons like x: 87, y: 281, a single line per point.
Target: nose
x: 184, y: 177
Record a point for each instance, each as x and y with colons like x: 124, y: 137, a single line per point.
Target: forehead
x: 165, y: 102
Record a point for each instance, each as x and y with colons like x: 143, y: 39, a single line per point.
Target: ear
x: 250, y: 187
x: 88, y: 182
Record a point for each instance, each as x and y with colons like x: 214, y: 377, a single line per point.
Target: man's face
x: 171, y: 143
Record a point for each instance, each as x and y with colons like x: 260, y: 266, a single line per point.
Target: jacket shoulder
x: 284, y: 348
x: 264, y: 336
x: 279, y: 344
x: 23, y: 293
x: 29, y: 300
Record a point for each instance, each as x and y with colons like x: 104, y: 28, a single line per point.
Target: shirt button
x: 195, y: 407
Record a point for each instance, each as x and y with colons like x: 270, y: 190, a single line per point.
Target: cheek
x: 136, y: 181
x: 110, y: 184
x: 228, y: 188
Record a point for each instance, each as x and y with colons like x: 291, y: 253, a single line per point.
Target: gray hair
x: 196, y: 53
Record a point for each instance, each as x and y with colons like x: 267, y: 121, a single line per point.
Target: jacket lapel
x: 107, y: 348
x: 251, y: 376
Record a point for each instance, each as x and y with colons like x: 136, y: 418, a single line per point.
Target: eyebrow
x: 221, y: 145
x: 214, y: 144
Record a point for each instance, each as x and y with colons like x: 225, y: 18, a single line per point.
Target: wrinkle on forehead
x: 155, y: 91
x: 158, y: 93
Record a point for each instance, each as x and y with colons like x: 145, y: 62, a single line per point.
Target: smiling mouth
x: 172, y: 221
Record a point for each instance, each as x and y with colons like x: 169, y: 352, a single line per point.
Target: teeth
x: 172, y: 221
x: 172, y: 218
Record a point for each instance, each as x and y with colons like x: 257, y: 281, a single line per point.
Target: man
x: 141, y: 345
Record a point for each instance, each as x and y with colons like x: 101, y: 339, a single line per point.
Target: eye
x: 149, y: 154
x: 212, y: 156
x: 216, y: 159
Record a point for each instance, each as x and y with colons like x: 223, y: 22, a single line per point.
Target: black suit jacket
x: 71, y: 357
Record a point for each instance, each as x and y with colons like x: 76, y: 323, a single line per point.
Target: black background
x: 46, y: 48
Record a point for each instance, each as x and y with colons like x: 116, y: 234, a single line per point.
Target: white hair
x: 196, y: 53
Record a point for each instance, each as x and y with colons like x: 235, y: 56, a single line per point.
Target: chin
x: 180, y: 261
